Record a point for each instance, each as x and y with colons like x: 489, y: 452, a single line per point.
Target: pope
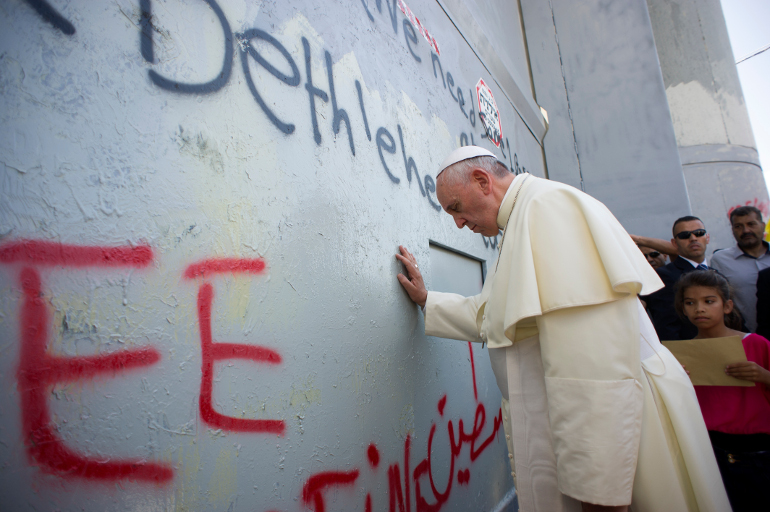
x: 598, y: 414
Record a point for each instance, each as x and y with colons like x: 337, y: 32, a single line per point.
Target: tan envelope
x: 706, y: 359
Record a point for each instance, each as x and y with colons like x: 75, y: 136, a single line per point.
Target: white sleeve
x: 449, y: 315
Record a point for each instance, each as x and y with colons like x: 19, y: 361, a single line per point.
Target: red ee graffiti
x: 39, y: 371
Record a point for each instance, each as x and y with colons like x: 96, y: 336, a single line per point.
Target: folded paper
x: 706, y: 359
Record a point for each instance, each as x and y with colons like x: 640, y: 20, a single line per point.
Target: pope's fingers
x: 407, y: 263
x: 411, y: 266
x: 403, y: 259
x: 405, y: 282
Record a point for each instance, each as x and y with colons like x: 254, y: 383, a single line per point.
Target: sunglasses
x: 653, y: 254
x: 684, y: 235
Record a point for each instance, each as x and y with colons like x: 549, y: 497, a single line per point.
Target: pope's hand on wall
x: 412, y: 281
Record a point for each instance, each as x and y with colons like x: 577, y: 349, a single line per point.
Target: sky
x: 747, y: 24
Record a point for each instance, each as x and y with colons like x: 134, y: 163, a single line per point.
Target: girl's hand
x: 748, y: 370
x: 686, y: 370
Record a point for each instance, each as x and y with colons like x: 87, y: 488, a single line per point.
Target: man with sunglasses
x: 656, y: 259
x: 690, y: 239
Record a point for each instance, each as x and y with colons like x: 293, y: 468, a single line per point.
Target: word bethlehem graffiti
x: 382, y: 137
x: 38, y: 371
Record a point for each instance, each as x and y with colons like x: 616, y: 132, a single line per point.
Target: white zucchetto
x: 464, y: 153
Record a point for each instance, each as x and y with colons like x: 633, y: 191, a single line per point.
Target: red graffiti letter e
x: 212, y: 352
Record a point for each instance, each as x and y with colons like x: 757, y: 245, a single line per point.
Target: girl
x: 738, y: 418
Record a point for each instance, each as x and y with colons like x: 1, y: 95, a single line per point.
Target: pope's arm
x: 447, y: 315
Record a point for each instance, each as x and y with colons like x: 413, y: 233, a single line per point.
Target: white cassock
x: 595, y: 408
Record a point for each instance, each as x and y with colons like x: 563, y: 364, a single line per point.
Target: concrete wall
x: 716, y: 144
x: 596, y: 72
x: 200, y: 206
x: 201, y: 201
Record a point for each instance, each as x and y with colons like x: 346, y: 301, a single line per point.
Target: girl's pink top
x: 736, y: 409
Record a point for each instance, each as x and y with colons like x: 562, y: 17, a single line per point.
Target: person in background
x: 741, y: 263
x: 656, y: 259
x: 690, y: 239
x: 738, y: 418
x: 648, y: 244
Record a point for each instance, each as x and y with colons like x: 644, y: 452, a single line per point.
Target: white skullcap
x: 464, y: 153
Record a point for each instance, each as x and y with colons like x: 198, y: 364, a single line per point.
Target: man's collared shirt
x: 742, y: 270
x: 694, y: 263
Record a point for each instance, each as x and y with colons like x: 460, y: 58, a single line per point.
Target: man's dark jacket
x: 763, y: 303
x: 660, y: 304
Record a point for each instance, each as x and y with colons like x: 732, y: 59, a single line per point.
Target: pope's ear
x: 481, y: 178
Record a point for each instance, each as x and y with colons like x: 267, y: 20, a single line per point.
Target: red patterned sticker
x: 488, y: 113
x: 416, y: 22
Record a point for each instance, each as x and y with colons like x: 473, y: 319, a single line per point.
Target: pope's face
x: 470, y: 204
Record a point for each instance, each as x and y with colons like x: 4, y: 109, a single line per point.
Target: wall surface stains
x: 201, y: 202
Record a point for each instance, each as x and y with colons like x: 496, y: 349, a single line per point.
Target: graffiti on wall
x: 762, y: 206
x: 38, y: 371
x: 383, y: 139
x: 411, y: 481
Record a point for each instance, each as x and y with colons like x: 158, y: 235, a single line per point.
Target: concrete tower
x: 716, y: 144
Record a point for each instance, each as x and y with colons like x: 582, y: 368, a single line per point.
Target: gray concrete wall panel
x: 477, y: 25
x: 621, y: 129
x: 698, y: 65
x: 708, y: 112
x: 721, y: 178
x: 551, y: 92
x: 198, y: 305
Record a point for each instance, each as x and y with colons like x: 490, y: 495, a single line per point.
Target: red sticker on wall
x: 488, y: 113
x: 418, y: 25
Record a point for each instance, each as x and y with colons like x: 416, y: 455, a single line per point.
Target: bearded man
x: 741, y: 263
x: 598, y: 414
